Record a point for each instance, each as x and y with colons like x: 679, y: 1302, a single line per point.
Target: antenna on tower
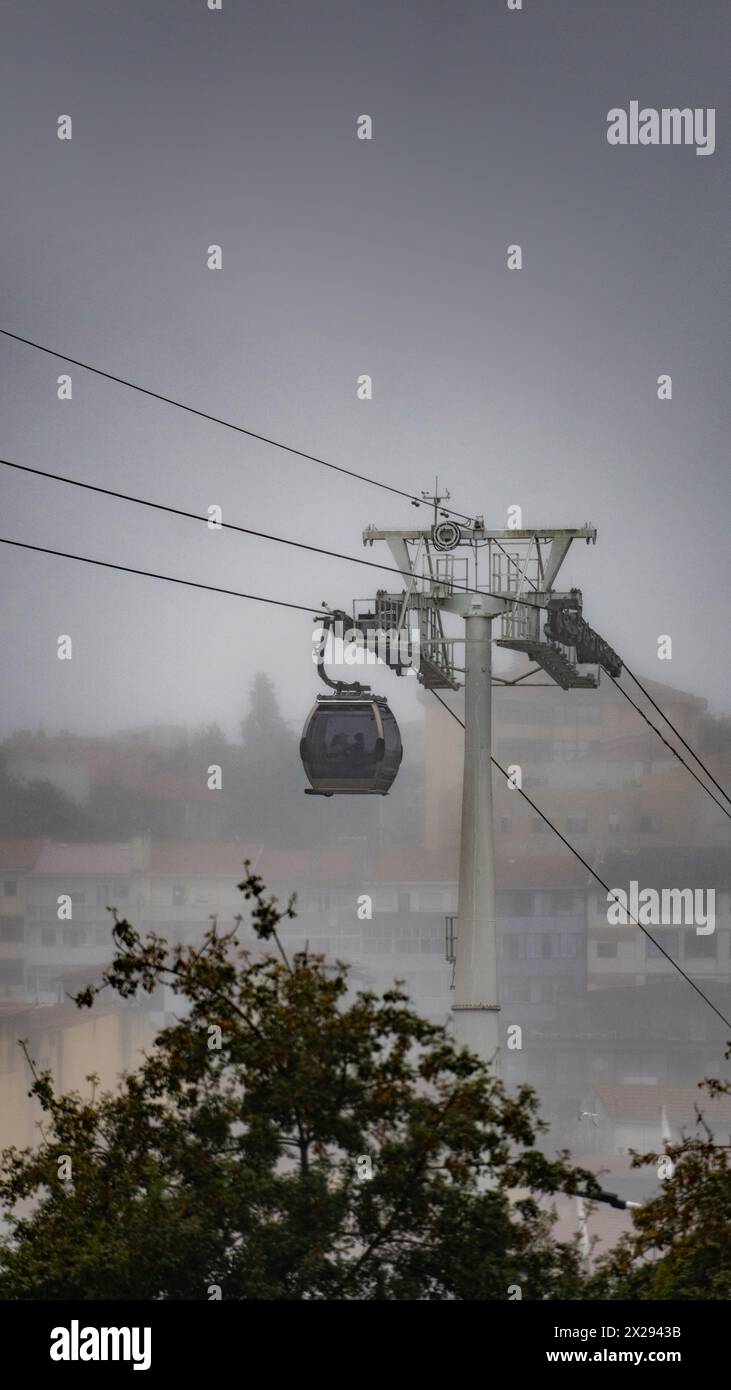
x: 436, y: 499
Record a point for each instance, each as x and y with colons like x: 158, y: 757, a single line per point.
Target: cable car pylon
x: 521, y: 566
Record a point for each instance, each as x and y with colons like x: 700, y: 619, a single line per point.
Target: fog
x: 343, y: 257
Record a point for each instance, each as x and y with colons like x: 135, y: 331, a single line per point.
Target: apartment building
x: 17, y: 858
x: 68, y: 922
x: 621, y: 955
x: 588, y: 761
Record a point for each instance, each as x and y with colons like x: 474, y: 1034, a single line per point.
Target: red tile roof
x: 207, y: 857
x: 171, y: 786
x: 278, y: 867
x: 638, y: 1104
x: 10, y: 1010
x: 84, y: 859
x: 19, y: 854
x: 415, y: 864
x: 292, y: 867
x: 544, y: 871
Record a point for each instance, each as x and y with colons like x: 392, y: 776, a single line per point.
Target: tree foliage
x: 334, y: 1146
x: 37, y: 808
x: 680, y: 1246
x: 270, y: 781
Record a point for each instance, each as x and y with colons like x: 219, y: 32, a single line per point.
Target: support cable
x: 674, y: 751
x: 227, y: 424
x: 677, y: 732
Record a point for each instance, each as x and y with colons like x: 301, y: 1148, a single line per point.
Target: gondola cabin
x: 350, y: 745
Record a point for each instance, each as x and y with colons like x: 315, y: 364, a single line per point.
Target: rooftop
x: 83, y: 859
x: 19, y: 854
x: 638, y: 1104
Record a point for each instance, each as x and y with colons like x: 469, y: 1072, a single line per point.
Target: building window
x: 701, y: 947
x: 519, y: 904
x: 10, y: 887
x: 180, y: 894
x: 403, y: 946
x: 669, y: 940
x: 538, y: 826
x: 650, y: 825
x: 107, y: 894
x: 563, y: 902
x: 545, y: 991
x: 541, y: 946
x: 577, y: 825
x: 606, y: 950
x: 12, y: 929
x: 515, y: 991
x: 614, y: 824
x: 404, y: 902
x: 48, y: 936
x: 72, y: 936
x: 77, y: 898
x: 11, y: 972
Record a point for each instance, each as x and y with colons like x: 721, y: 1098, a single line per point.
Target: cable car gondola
x: 351, y: 742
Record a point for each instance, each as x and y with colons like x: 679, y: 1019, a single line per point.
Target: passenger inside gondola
x: 357, y: 754
x: 338, y: 745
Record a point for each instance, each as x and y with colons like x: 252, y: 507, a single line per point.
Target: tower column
x: 475, y: 984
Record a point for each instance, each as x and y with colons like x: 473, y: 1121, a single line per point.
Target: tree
x: 263, y: 722
x: 38, y: 808
x: 271, y: 780
x: 207, y: 744
x: 679, y: 1247
x: 288, y: 1140
x: 115, y: 811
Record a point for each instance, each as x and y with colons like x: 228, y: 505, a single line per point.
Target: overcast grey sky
x: 343, y: 257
